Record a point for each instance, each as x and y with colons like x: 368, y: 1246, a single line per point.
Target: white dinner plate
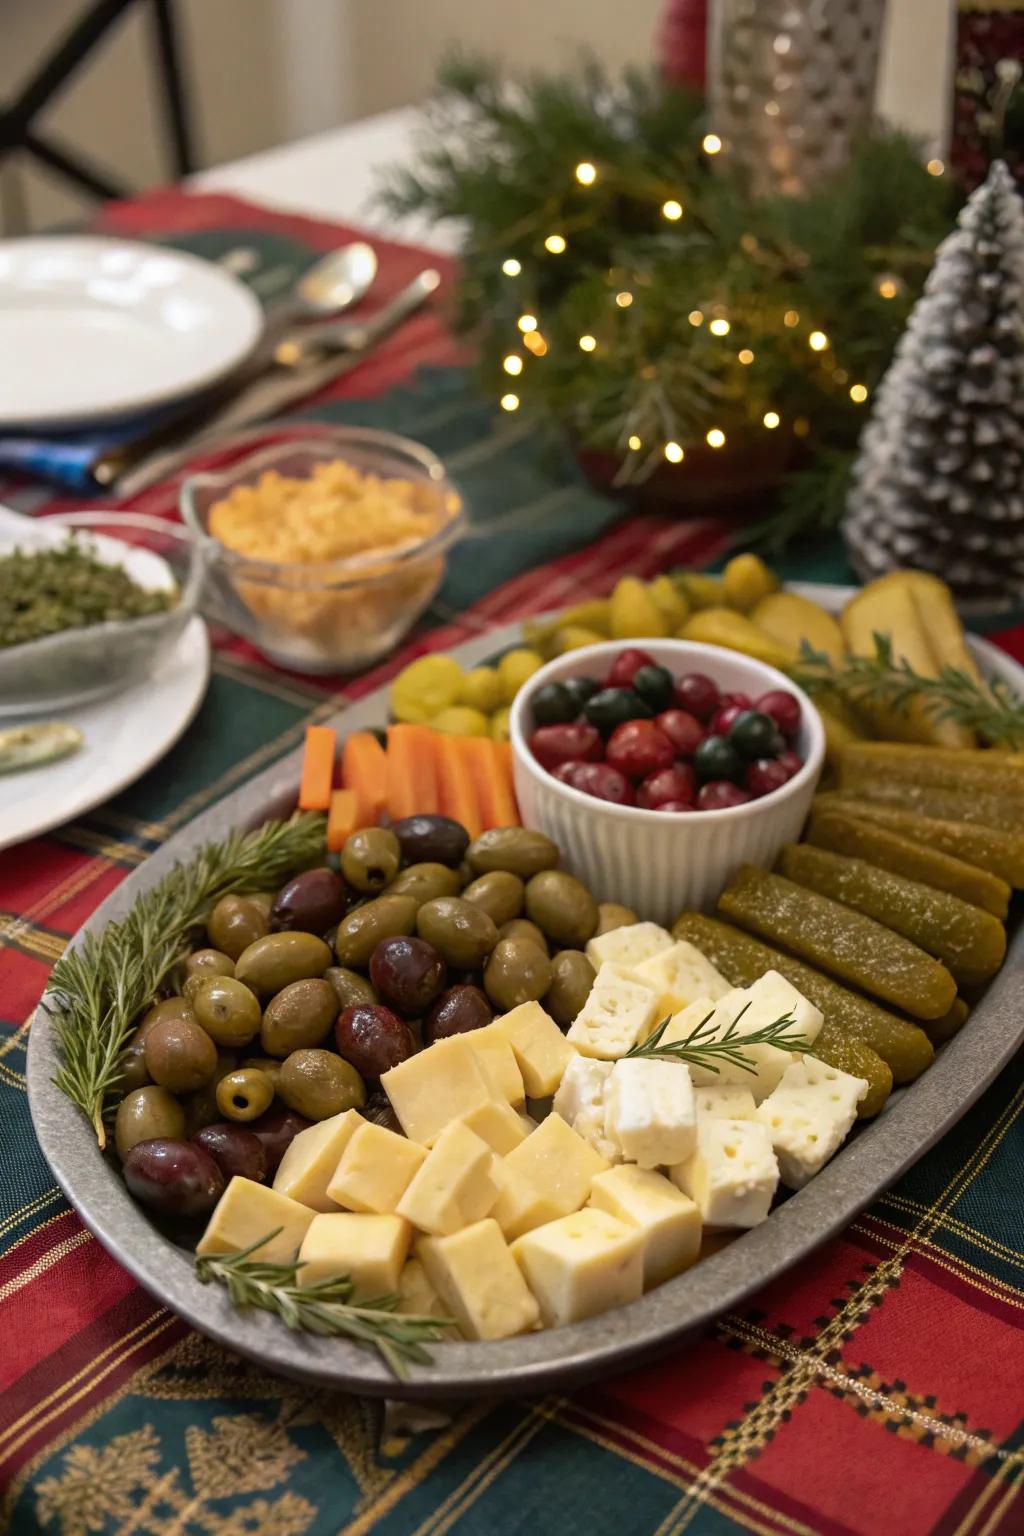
x: 92, y: 328
x: 124, y: 736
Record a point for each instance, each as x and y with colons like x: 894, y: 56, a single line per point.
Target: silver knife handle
x: 355, y: 335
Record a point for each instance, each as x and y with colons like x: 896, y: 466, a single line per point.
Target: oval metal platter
x: 913, y: 1120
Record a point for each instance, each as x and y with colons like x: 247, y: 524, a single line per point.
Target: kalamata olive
x: 174, y: 1177
x: 721, y: 795
x: 180, y: 1055
x: 235, y: 1150
x: 456, y: 1012
x: 683, y: 730
x: 764, y: 775
x: 783, y: 708
x: 373, y: 1039
x: 276, y: 1130
x: 370, y: 859
x: 425, y: 882
x: 498, y: 893
x: 235, y: 923
x: 791, y: 761
x: 462, y: 933
x: 319, y: 1084
x: 227, y: 1009
x: 516, y: 972
x: 300, y: 1015
x: 277, y: 959
x: 572, y: 977
x: 670, y: 785
x: 311, y: 902
x: 408, y: 974
x: 145, y: 1114
x: 520, y: 851
x: 361, y: 930
x: 431, y: 840
x: 611, y: 915
x: 349, y: 986
x: 603, y: 782
x: 202, y: 964
x: 562, y: 908
x: 522, y: 928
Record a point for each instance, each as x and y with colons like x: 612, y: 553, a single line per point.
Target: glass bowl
x: 78, y: 666
x: 337, y: 615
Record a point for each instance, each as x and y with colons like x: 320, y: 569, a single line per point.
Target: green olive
x: 462, y: 933
x: 319, y: 1084
x: 235, y: 923
x: 516, y: 849
x: 516, y: 972
x: 201, y: 1106
x: 227, y: 1009
x: 611, y: 915
x: 132, y: 1070
x: 244, y: 1094
x: 370, y: 859
x: 361, y: 930
x: 425, y: 882
x: 169, y: 1008
x: 262, y: 899
x: 522, y: 928
x: 300, y: 1015
x: 202, y: 964
x: 145, y: 1114
x: 265, y: 1064
x: 499, y: 894
x: 350, y: 987
x: 562, y: 908
x: 572, y: 977
x: 277, y: 959
x: 179, y: 1055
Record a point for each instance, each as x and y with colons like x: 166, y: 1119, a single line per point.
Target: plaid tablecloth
x: 878, y: 1388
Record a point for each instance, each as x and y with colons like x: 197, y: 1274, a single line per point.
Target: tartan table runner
x: 878, y: 1387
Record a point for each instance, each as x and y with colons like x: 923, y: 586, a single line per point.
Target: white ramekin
x: 658, y: 862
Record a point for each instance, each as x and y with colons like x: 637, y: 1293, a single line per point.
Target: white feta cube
x: 679, y: 975
x: 725, y: 1101
x: 628, y: 947
x: 732, y: 1175
x: 745, y: 1010
x: 580, y: 1102
x: 808, y: 1116
x: 649, y: 1111
x: 619, y: 1012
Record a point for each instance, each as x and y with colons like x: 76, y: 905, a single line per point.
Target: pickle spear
x: 970, y: 802
x: 971, y: 943
x: 990, y: 772
x: 854, y: 948
x: 901, y: 1048
x: 1001, y: 853
x: 950, y: 1024
x: 891, y: 850
x: 848, y: 1054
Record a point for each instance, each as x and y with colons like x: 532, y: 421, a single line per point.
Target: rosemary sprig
x: 705, y: 1047
x: 98, y: 989
x: 990, y: 708
x: 324, y: 1308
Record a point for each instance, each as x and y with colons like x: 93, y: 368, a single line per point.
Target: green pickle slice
x: 968, y: 771
x: 971, y: 943
x: 854, y: 948
x: 887, y: 1048
x: 1001, y: 853
x: 900, y: 855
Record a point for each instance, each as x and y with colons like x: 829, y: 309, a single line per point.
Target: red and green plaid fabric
x: 878, y: 1388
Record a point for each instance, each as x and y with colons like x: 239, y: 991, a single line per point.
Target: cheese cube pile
x: 808, y: 1117
x: 619, y: 1012
x: 746, y: 1010
x: 453, y: 1187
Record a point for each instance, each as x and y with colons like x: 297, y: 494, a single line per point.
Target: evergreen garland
x: 646, y: 319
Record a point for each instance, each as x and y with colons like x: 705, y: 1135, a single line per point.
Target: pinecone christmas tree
x: 939, y: 484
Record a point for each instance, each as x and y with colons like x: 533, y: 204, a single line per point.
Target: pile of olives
x: 298, y: 1001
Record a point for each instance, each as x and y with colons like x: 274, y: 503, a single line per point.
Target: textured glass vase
x: 792, y: 85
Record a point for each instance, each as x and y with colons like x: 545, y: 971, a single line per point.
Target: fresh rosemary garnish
x: 990, y: 708
x: 326, y: 1307
x: 705, y: 1047
x: 98, y: 990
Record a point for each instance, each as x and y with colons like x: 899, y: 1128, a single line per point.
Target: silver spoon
x: 331, y: 285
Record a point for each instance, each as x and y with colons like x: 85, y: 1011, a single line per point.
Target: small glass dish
x: 331, y: 615
x: 77, y: 666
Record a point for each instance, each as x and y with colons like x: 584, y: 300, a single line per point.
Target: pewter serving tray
x: 913, y: 1120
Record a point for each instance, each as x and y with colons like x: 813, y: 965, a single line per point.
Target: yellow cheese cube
x: 521, y: 1204
x: 541, y: 1050
x: 374, y: 1170
x: 416, y: 1293
x: 669, y: 1222
x: 247, y: 1211
x: 499, y: 1125
x: 370, y: 1250
x: 309, y: 1162
x: 498, y: 1063
x: 478, y: 1281
x: 547, y: 1175
x: 436, y: 1086
x: 582, y: 1264
x: 453, y: 1187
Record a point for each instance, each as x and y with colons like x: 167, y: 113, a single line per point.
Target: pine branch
x: 705, y: 1047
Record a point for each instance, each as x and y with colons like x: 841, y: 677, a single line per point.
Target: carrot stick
x: 364, y: 770
x: 412, y: 771
x: 509, y: 806
x: 456, y: 789
x: 342, y: 818
x: 490, y: 775
x: 317, y: 768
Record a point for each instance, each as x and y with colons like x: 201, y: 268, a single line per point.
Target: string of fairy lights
x: 586, y: 173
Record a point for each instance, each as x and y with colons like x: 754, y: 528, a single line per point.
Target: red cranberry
x: 742, y: 699
x: 566, y: 773
x: 697, y: 694
x: 604, y: 783
x: 638, y: 748
x: 764, y: 775
x: 719, y: 794
x: 791, y: 761
x: 625, y: 667
x: 683, y: 730
x: 783, y: 708
x: 725, y: 718
x: 554, y: 744
x: 677, y: 783
x: 675, y: 805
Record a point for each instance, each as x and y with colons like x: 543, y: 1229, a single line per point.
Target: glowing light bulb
x: 527, y: 323
x: 511, y: 267
x: 695, y: 317
x: 510, y: 402
x: 791, y: 318
x: 887, y: 287
x: 746, y: 357
x: 672, y: 210
x: 771, y: 420
x: 711, y: 144
x: 675, y: 453
x: 587, y: 343
x: 555, y: 244
x: 772, y: 109
x: 513, y: 363
x: 719, y: 327
x: 535, y: 343
x: 586, y: 173
x: 935, y: 167
x: 817, y: 341
x: 624, y: 299
x: 858, y: 393
x: 716, y: 438
x: 635, y: 443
